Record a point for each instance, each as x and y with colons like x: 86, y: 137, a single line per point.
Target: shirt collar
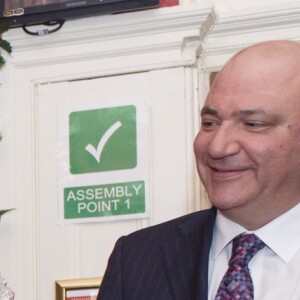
x: 280, y: 235
x: 224, y: 231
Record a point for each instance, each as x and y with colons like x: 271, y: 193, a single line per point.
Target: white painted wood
x: 239, y: 28
x: 82, y: 250
x: 161, y: 33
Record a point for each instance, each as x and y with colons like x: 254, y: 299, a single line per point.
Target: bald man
x: 248, y: 158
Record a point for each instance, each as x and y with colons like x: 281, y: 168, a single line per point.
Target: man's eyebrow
x: 249, y: 112
x: 206, y: 110
x: 209, y: 111
x: 246, y: 112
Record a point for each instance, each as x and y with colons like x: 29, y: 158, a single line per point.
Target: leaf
x: 3, y: 27
x: 5, y: 45
x: 4, y: 211
x: 2, y: 61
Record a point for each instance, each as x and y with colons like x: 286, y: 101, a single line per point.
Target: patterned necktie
x: 237, y: 282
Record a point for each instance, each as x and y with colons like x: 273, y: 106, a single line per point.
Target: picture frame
x: 73, y: 289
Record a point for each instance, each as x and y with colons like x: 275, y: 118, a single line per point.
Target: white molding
x: 157, y: 31
x: 238, y: 29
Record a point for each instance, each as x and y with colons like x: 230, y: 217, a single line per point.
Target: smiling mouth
x: 226, y: 173
x: 223, y: 171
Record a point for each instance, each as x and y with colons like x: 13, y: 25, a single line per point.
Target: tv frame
x: 70, y: 9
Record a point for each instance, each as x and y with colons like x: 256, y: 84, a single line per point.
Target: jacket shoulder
x: 170, y: 229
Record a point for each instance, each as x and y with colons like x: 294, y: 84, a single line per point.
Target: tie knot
x: 244, y: 247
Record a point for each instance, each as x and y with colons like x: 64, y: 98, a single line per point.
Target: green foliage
x: 2, y: 61
x: 4, y: 211
x: 4, y: 45
x: 3, y: 27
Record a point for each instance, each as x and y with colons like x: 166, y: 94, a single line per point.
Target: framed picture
x: 77, y: 289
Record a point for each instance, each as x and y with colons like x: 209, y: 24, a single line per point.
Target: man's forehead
x: 257, y: 100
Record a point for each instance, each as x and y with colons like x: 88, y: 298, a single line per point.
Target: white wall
x: 170, y: 52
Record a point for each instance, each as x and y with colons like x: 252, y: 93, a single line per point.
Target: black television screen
x: 31, y: 12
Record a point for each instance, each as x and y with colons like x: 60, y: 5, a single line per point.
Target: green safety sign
x: 103, y: 139
x: 104, y: 200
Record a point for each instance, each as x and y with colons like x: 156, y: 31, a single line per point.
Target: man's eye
x: 208, y: 124
x: 255, y: 125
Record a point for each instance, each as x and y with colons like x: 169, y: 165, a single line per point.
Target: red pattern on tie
x: 237, y: 283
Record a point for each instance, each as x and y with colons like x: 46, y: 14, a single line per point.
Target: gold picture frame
x: 84, y: 285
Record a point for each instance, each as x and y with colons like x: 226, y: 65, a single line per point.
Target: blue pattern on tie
x: 237, y: 283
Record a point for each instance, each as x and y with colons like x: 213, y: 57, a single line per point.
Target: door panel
x: 81, y: 250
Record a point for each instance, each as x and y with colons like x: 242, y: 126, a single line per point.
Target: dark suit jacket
x: 168, y: 261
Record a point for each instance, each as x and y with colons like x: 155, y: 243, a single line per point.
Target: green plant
x: 4, y: 45
x: 2, y: 212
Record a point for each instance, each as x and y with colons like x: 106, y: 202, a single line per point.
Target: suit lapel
x: 186, y: 257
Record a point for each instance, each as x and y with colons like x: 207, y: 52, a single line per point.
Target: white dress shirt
x: 275, y: 270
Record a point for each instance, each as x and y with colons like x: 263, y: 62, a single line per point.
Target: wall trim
x: 136, y: 33
x: 238, y: 29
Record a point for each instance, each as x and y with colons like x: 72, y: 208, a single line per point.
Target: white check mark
x: 106, y: 136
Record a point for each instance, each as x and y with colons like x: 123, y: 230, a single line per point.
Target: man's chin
x: 225, y: 204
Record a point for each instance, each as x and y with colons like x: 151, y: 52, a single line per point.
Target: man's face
x: 248, y: 148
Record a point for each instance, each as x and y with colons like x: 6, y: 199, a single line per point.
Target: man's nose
x: 225, y: 141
